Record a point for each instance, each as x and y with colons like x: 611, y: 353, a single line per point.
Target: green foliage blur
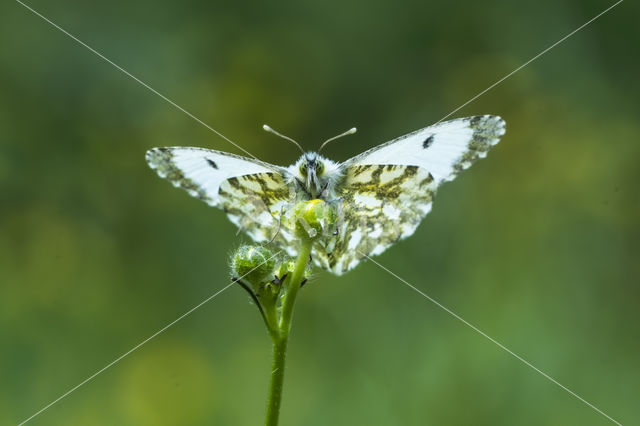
x: 537, y: 245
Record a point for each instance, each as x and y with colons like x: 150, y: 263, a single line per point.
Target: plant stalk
x: 280, y: 336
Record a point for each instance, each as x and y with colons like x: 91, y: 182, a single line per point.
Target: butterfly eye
x: 319, y: 168
x: 303, y: 169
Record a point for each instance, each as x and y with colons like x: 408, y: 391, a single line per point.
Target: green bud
x: 286, y: 267
x: 254, y: 263
x: 312, y: 218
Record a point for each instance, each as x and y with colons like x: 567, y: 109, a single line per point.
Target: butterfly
x: 382, y: 195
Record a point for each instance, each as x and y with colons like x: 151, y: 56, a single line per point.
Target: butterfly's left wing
x: 388, y: 190
x: 251, y: 192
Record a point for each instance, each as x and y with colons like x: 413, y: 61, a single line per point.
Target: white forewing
x: 200, y: 171
x: 443, y: 149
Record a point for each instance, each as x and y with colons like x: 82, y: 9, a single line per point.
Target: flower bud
x: 254, y: 264
x: 287, y: 266
x: 312, y: 217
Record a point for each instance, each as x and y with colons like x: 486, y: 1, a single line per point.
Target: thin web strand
x: 492, y: 340
x: 530, y: 60
x: 145, y: 85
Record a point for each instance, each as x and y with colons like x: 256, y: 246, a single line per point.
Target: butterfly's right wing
x: 387, y: 190
x: 251, y: 192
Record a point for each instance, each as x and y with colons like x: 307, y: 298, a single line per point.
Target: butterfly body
x: 381, y: 195
x: 315, y: 175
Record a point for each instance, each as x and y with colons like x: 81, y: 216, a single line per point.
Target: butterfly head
x: 314, y: 172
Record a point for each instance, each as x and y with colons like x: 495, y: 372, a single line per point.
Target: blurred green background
x: 537, y: 245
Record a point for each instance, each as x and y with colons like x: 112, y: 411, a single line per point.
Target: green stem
x: 277, y: 378
x: 293, y: 287
x: 281, y: 337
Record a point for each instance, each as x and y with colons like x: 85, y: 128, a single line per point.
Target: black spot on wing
x: 212, y: 163
x: 427, y: 142
x: 476, y: 120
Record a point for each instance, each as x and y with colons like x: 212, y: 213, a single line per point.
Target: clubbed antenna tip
x: 348, y: 132
x: 270, y: 130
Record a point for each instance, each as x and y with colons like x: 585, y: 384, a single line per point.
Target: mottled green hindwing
x: 380, y: 204
x: 255, y: 204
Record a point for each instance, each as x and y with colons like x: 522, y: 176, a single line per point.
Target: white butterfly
x: 382, y: 194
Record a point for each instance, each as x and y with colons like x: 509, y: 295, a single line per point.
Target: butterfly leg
x: 278, y: 228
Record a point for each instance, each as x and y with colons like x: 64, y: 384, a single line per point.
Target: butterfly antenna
x: 270, y: 130
x: 348, y: 132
